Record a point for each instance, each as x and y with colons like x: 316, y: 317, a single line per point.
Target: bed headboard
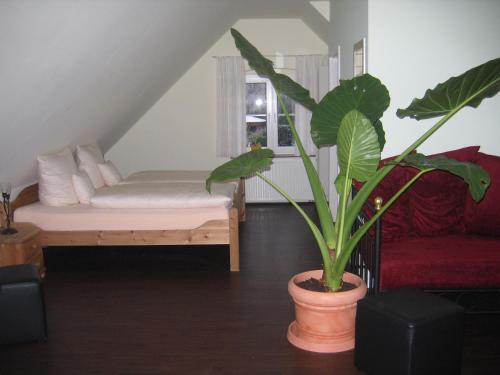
x: 27, y: 196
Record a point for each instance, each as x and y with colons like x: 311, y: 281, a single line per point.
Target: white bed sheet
x: 82, y: 217
x: 166, y: 176
x: 163, y: 195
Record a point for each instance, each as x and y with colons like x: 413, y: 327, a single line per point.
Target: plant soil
x: 315, y: 285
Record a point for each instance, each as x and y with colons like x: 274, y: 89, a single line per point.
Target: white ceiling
x: 80, y: 70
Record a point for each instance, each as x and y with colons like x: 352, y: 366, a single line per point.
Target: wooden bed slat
x: 210, y: 233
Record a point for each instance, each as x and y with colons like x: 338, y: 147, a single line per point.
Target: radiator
x: 289, y: 174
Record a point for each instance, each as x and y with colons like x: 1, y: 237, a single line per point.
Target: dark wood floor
x: 177, y: 310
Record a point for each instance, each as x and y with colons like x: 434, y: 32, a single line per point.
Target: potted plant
x: 349, y: 117
x: 256, y: 140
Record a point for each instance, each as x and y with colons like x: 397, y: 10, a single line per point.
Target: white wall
x: 178, y: 132
x: 415, y: 44
x: 348, y: 25
x: 79, y: 71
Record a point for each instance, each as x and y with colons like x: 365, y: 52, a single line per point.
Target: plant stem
x: 352, y: 242
x: 322, y: 207
x: 327, y: 262
x: 343, y: 203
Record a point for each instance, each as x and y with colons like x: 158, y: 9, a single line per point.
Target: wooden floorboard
x: 178, y: 310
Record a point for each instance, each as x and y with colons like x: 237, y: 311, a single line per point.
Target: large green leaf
x: 264, y: 68
x: 244, y: 165
x: 292, y: 89
x: 358, y: 148
x: 256, y: 61
x: 380, y: 133
x: 340, y: 183
x: 364, y: 93
x: 475, y: 176
x: 469, y: 88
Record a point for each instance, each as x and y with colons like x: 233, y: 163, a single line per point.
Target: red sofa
x: 435, y: 236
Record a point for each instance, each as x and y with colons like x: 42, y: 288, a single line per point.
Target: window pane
x: 256, y: 114
x: 256, y: 98
x: 256, y: 131
x: 289, y: 105
x: 285, y: 137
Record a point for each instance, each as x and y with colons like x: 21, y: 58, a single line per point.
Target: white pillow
x: 55, y: 187
x: 110, y: 173
x: 84, y: 188
x: 88, y: 156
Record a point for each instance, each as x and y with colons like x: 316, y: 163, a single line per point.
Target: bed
x: 139, y: 225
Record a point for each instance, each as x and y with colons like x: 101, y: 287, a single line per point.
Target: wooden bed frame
x: 212, y: 232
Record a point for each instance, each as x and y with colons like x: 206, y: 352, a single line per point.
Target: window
x: 360, y: 58
x: 266, y: 122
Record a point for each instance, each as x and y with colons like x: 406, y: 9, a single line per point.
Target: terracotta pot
x: 324, y: 322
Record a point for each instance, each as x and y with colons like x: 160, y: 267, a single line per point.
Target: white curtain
x: 307, y: 73
x: 231, y: 106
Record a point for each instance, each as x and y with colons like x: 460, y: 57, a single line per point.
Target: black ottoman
x: 408, y: 332
x: 22, y: 309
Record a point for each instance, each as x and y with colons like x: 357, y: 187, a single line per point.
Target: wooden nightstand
x: 22, y: 247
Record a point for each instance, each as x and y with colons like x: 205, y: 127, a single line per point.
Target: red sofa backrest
x: 437, y: 199
x: 484, y: 217
x: 439, y: 202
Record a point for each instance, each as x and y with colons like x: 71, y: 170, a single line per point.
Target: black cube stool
x: 408, y: 332
x: 22, y: 307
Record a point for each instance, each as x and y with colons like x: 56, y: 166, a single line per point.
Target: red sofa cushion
x: 444, y: 262
x: 434, y: 205
x: 437, y: 199
x: 484, y: 217
x: 394, y: 221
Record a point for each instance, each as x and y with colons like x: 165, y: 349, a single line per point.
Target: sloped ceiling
x: 82, y: 70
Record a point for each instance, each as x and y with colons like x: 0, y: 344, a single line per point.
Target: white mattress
x: 163, y: 195
x: 84, y: 217
x: 188, y: 206
x: 166, y: 176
